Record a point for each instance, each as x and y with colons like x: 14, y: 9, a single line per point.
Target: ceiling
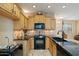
x: 68, y: 11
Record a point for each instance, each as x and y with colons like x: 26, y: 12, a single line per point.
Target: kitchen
x: 39, y: 32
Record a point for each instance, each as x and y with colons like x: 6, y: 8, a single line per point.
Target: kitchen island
x: 68, y: 47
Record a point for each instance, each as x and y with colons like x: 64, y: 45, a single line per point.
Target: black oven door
x: 39, y: 42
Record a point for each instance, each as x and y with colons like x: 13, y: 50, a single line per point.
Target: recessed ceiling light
x: 61, y: 17
x: 49, y: 6
x: 63, y: 6
x: 34, y: 6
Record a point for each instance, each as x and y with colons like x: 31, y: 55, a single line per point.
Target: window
x: 67, y: 28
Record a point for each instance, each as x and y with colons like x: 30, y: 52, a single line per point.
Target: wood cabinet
x: 49, y: 23
x: 52, y: 47
x: 39, y: 19
x: 18, y: 23
x: 31, y: 43
x: 10, y: 10
x: 16, y: 10
x: 30, y: 23
x: 21, y: 23
x: 7, y: 6
x: 25, y: 22
x: 53, y: 24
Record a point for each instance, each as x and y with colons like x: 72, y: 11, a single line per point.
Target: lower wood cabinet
x: 52, y: 47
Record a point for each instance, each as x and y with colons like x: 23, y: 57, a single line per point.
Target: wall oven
x: 39, y: 42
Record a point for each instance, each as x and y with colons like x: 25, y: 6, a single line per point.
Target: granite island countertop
x: 69, y: 46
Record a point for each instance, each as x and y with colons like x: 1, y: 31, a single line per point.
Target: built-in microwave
x: 39, y: 26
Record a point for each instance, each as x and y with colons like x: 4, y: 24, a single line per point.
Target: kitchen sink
x: 59, y: 39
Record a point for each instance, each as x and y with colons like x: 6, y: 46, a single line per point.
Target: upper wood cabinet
x: 7, y: 7
x: 25, y: 22
x: 30, y: 23
x: 39, y: 19
x: 10, y: 10
x: 21, y: 23
x: 53, y: 24
x: 16, y: 10
x: 49, y: 23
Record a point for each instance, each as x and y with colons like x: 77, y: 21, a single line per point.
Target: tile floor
x: 19, y: 52
x: 39, y: 53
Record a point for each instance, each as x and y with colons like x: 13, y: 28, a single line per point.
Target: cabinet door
x: 39, y: 19
x: 31, y: 23
x: 42, y: 18
x: 25, y: 23
x: 7, y: 6
x: 47, y: 43
x: 48, y: 23
x: 53, y: 24
x: 2, y: 5
x: 9, y: 10
x: 22, y: 21
x: 19, y: 23
x: 16, y: 11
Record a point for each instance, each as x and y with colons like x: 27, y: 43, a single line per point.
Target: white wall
x: 6, y: 30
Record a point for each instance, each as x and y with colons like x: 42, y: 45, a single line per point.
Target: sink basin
x: 59, y: 39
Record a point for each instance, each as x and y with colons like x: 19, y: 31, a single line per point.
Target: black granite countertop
x: 71, y: 47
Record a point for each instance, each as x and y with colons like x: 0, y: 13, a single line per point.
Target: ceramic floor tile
x: 39, y: 53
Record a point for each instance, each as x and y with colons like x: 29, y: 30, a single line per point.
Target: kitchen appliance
x: 39, y: 42
x: 39, y: 38
x: 39, y: 26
